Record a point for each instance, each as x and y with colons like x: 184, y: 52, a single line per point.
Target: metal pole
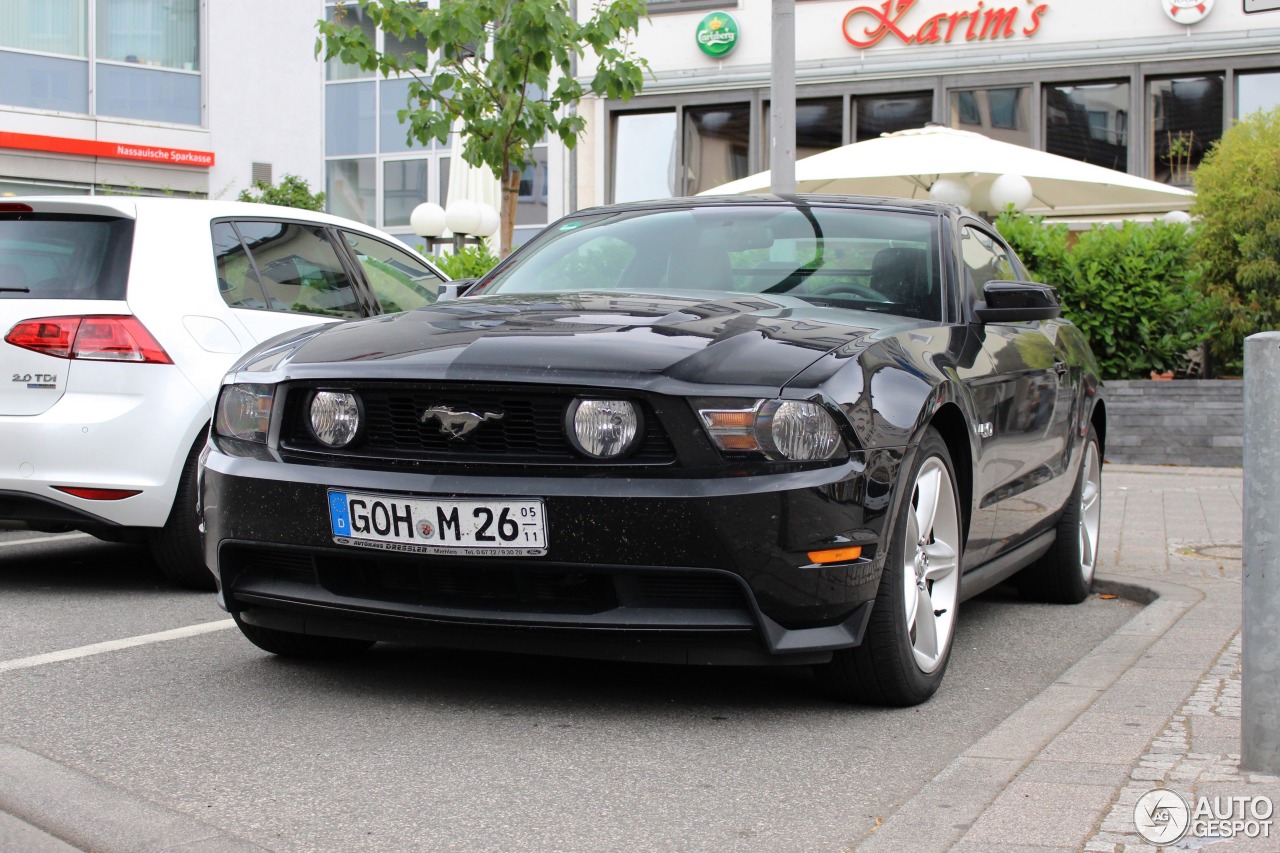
x: 1260, y: 697
x: 782, y: 100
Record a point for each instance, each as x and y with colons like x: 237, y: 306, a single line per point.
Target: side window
x: 300, y: 269
x: 237, y: 282
x: 984, y: 260
x: 400, y: 281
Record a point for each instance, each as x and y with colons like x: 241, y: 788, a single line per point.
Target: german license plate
x: 488, y: 527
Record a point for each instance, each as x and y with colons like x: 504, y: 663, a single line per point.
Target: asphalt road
x: 411, y: 749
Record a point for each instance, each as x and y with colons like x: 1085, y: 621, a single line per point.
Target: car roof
x: 765, y: 199
x: 135, y: 207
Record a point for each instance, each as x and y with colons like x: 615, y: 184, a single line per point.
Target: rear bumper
x: 121, y: 426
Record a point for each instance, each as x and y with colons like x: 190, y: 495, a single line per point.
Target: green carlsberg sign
x: 717, y: 34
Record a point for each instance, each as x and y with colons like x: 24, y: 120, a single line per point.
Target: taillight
x: 98, y: 337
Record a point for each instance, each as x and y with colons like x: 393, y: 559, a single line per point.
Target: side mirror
x: 455, y: 289
x: 1016, y: 302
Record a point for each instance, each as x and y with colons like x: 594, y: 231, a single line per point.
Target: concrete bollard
x: 1260, y: 698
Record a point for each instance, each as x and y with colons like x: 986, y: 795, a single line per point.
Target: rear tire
x: 290, y: 645
x: 904, y: 654
x: 177, y: 547
x: 1064, y: 575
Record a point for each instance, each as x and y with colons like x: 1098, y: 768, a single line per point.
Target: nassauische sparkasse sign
x: 868, y: 26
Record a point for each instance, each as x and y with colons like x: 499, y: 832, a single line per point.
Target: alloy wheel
x: 931, y: 570
x: 1090, y: 511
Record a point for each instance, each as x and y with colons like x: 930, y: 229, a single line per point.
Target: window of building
x: 350, y: 125
x: 405, y: 183
x: 717, y: 142
x: 45, y: 26
x: 879, y: 114
x: 1001, y: 112
x: 531, y: 205
x: 644, y: 156
x: 1089, y: 122
x: 1257, y: 91
x: 154, y: 33
x: 819, y: 127
x: 1184, y: 115
x: 146, y: 65
x: 351, y: 189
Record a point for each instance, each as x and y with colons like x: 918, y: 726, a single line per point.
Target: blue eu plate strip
x: 338, y: 515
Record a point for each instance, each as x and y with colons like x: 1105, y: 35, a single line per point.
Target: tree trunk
x: 510, y: 196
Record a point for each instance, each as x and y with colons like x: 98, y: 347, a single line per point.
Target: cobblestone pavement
x: 1157, y: 705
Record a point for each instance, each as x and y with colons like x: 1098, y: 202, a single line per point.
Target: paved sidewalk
x: 1156, y: 705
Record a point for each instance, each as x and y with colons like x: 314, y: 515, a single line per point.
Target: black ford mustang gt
x: 735, y: 430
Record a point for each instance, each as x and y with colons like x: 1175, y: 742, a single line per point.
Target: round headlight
x: 335, y: 418
x: 603, y: 429
x: 799, y: 430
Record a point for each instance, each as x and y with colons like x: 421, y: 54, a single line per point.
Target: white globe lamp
x: 1010, y: 190
x: 950, y: 191
x: 462, y: 216
x: 427, y: 220
x: 1179, y: 216
x: 489, y: 221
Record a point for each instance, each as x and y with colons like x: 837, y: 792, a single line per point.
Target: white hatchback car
x: 120, y: 316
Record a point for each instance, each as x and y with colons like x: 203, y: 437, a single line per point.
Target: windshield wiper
x: 15, y: 290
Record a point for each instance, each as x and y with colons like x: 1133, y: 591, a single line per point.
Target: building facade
x: 202, y: 98
x: 1143, y: 86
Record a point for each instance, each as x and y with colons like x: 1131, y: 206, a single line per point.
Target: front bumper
x: 696, y: 570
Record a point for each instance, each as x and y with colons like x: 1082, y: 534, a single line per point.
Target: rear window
x: 63, y: 256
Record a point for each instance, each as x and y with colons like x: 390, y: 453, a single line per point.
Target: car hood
x: 744, y: 340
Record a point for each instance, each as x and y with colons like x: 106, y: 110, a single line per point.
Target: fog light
x: 602, y: 429
x: 335, y: 418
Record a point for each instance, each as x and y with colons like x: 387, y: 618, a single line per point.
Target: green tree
x: 292, y: 191
x: 503, y: 70
x: 1238, y: 206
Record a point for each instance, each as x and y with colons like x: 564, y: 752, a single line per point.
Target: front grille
x: 530, y: 431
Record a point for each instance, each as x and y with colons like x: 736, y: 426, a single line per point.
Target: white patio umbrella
x: 472, y: 183
x: 960, y: 163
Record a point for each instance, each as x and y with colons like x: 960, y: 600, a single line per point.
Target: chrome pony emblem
x: 457, y: 424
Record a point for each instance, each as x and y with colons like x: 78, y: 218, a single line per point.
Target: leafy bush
x: 1238, y: 205
x: 467, y: 262
x: 292, y: 191
x: 1131, y: 290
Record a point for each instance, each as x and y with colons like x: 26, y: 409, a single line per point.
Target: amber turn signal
x: 836, y: 555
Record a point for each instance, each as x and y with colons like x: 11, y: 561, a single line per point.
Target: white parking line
x: 61, y: 537
x: 116, y: 645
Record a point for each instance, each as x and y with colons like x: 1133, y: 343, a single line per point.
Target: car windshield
x: 866, y: 259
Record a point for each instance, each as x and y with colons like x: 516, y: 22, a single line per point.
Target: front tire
x: 290, y: 645
x: 904, y: 654
x: 1064, y: 575
x: 176, y: 547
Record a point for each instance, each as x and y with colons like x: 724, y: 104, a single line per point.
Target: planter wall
x: 1182, y: 422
